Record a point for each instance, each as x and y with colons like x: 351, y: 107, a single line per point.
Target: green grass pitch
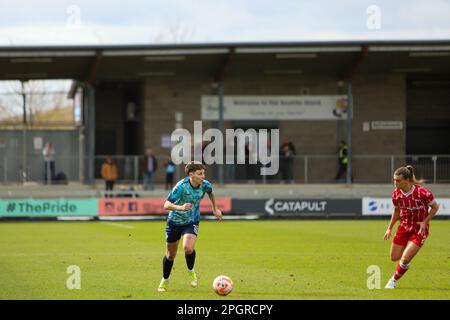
x: 279, y: 260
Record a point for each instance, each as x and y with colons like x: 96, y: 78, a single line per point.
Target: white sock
x: 404, y: 266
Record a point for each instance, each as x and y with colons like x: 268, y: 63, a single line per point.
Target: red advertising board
x: 150, y: 206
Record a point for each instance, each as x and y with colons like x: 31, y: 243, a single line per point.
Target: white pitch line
x: 131, y: 218
x: 119, y: 225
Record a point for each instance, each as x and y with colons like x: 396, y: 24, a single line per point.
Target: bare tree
x: 175, y: 33
x: 11, y: 103
x: 44, y: 104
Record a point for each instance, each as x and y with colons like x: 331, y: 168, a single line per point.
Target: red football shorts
x: 403, y: 235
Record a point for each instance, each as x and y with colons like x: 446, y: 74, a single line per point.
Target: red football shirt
x: 413, y: 205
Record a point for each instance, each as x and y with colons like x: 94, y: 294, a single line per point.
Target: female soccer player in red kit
x: 412, y: 203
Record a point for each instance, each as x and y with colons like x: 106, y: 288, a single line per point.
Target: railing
x: 305, y: 169
x: 366, y: 169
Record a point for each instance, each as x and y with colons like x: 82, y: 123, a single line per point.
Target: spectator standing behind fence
x: 149, y: 167
x: 170, y: 171
x: 287, y: 157
x: 109, y: 173
x: 343, y: 160
x: 49, y: 162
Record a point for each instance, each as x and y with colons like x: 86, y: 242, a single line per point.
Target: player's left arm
x: 434, y: 209
x: 216, y: 211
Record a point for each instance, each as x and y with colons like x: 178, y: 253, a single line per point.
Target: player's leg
x: 171, y: 250
x: 409, y: 253
x: 189, y: 247
x: 173, y: 235
x: 397, y: 249
x: 415, y: 242
x: 396, y: 252
x: 189, y: 240
x: 169, y: 257
x: 412, y: 248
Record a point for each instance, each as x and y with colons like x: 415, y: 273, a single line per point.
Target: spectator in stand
x: 109, y: 173
x: 150, y: 165
x: 49, y: 163
x: 287, y: 157
x: 170, y: 171
x: 342, y: 160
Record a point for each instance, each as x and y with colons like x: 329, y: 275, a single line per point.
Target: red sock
x: 400, y: 270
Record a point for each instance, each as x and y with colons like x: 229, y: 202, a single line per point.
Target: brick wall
x: 376, y: 98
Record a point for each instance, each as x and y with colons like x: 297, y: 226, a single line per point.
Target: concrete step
x: 238, y: 191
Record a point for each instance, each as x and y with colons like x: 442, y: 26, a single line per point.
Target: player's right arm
x: 394, y: 218
x: 173, y: 196
x: 170, y: 206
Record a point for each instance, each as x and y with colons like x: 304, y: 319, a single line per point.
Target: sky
x: 89, y: 22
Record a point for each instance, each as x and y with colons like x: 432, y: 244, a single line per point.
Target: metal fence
x: 305, y: 169
x: 324, y: 168
x: 13, y: 170
x: 377, y: 168
x: 21, y: 156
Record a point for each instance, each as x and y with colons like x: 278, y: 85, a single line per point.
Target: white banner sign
x: 387, y: 125
x: 377, y: 206
x: 331, y: 107
x: 166, y: 143
x: 384, y: 206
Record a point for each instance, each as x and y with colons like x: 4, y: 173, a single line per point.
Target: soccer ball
x: 222, y: 285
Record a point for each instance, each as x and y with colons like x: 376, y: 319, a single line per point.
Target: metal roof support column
x: 348, y: 73
x: 218, y: 80
x: 90, y: 132
x: 24, y: 135
x: 349, y: 131
x: 221, y: 126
